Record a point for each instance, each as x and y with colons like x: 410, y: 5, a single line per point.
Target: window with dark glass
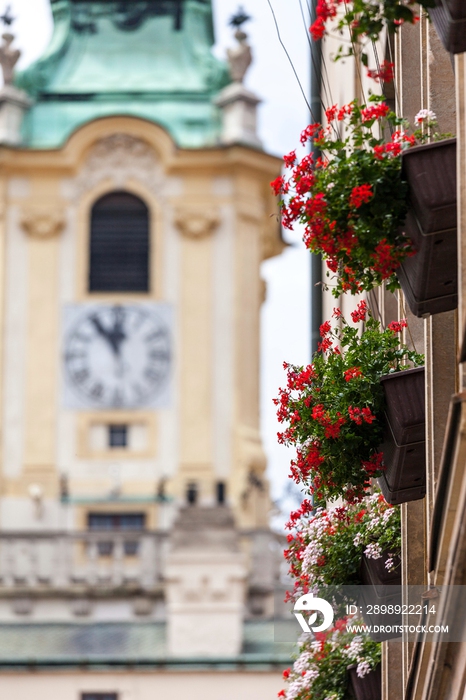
x: 221, y: 492
x: 191, y: 493
x: 99, y: 696
x: 117, y: 522
x: 119, y: 244
x: 117, y: 436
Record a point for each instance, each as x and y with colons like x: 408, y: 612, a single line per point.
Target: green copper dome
x: 149, y: 59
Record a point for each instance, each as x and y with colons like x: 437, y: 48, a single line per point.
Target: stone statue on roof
x: 237, y: 104
x: 8, y: 58
x: 13, y: 102
x: 240, y: 57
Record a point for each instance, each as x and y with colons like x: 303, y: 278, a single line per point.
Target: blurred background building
x: 136, y: 556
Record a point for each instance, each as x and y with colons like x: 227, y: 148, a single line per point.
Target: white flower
x: 373, y: 551
x: 355, y: 648
x: 389, y: 565
x: 425, y: 115
x: 311, y: 674
x: 363, y: 669
x: 301, y: 663
x: 296, y: 688
x: 388, y: 515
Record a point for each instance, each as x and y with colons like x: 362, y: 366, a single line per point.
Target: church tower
x: 136, y: 211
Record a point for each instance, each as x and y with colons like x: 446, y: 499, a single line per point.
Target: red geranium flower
x: 360, y: 195
x: 352, y: 373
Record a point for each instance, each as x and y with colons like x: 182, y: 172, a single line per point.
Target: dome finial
x: 238, y: 19
x: 239, y: 58
x: 7, y: 18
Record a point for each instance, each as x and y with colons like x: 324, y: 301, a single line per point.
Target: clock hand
x: 109, y: 335
x: 117, y: 334
x: 99, y: 327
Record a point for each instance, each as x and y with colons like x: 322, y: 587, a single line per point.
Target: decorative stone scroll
x: 197, y: 223
x: 119, y: 147
x: 118, y: 158
x: 43, y: 223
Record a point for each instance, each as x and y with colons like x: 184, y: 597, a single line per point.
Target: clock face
x: 117, y: 356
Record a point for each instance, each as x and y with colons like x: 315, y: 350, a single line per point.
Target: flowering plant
x: 325, y: 548
x: 333, y: 408
x: 352, y: 200
x: 427, y: 128
x: 320, y: 671
x: 364, y: 18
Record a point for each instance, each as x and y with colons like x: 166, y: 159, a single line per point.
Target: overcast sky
x: 282, y: 116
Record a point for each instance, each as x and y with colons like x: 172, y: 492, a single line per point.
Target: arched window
x: 119, y: 245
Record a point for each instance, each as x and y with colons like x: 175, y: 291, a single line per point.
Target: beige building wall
x: 211, y: 228
x: 143, y: 685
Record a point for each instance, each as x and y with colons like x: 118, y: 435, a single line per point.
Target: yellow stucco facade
x: 212, y: 222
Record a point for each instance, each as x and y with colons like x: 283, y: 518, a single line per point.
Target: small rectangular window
x: 117, y: 436
x: 99, y: 696
x: 105, y: 548
x: 131, y: 548
x: 116, y: 521
x: 192, y: 493
x: 221, y: 493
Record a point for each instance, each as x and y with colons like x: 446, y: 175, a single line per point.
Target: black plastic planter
x: 373, y: 572
x: 380, y: 587
x: 429, y: 278
x: 403, y: 447
x: 369, y: 687
x: 449, y: 19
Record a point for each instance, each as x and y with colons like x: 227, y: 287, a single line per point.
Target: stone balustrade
x: 92, y: 559
x: 109, y: 560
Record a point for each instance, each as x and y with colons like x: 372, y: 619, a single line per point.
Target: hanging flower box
x: 323, y: 667
x: 374, y: 572
x: 449, y: 18
x: 343, y: 552
x: 403, y: 447
x: 429, y: 278
x: 369, y: 687
x: 334, y: 409
x: 381, y: 587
